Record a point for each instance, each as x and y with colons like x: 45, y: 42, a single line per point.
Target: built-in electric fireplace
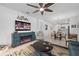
x: 25, y: 39
x: 22, y: 38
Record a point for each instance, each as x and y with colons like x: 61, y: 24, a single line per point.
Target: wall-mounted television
x: 22, y: 26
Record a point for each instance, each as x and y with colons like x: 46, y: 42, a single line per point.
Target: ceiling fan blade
x: 41, y: 4
x: 48, y: 4
x: 32, y: 6
x: 42, y: 12
x: 35, y: 11
x: 48, y: 10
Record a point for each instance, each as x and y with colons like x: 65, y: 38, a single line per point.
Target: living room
x: 55, y: 28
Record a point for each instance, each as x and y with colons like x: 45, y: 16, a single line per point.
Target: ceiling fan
x: 42, y: 7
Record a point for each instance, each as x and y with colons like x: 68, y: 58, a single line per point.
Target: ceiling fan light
x: 41, y: 9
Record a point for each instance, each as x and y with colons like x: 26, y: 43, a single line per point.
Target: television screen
x: 22, y: 26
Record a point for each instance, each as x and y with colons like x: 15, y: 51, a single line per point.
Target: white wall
x: 7, y: 19
x: 46, y: 32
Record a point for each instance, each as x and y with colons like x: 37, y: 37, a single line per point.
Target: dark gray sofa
x: 73, y: 48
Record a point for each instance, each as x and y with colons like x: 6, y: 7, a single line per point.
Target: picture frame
x: 73, y: 26
x: 46, y: 27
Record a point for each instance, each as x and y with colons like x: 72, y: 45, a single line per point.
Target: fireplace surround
x: 21, y: 38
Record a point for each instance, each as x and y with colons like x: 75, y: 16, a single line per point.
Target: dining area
x: 62, y: 39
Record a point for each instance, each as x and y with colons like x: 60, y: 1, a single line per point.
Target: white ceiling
x: 61, y: 10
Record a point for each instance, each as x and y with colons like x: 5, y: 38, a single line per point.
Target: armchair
x: 73, y: 48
